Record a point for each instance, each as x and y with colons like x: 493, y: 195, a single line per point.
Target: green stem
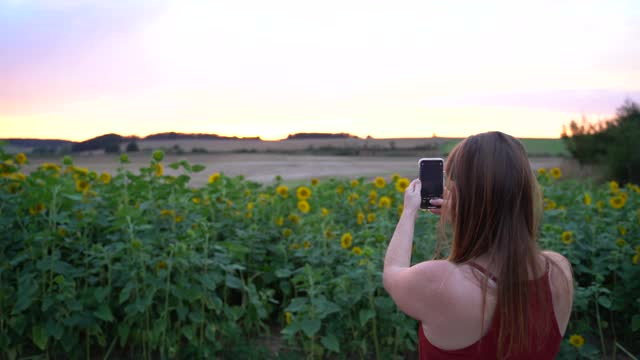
x: 604, y: 349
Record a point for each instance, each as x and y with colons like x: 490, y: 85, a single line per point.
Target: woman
x: 497, y: 295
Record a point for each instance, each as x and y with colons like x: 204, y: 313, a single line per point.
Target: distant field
x: 535, y: 147
x: 264, y: 168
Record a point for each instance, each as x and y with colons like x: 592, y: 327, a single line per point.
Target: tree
x: 132, y: 147
x: 613, y: 143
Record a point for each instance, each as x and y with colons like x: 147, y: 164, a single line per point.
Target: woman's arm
x: 415, y: 289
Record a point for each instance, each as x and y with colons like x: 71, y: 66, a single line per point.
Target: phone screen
x: 431, y: 178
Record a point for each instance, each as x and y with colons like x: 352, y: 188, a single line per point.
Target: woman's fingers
x: 436, y: 202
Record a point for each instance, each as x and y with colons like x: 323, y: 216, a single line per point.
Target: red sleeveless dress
x: 487, y: 348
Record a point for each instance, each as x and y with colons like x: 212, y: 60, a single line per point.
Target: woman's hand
x: 436, y: 202
x: 412, y: 197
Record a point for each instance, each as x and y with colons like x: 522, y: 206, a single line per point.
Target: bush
x: 611, y: 143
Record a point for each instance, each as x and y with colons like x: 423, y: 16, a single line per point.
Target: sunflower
x: 587, y: 199
x: 380, y: 182
x: 21, y: 158
x: 623, y: 195
x: 360, y: 218
x: 355, y: 183
x: 324, y: 212
x: 279, y: 221
x: 315, y: 181
x: 283, y: 191
x: 62, y: 232
x: 567, y: 237
x: 402, y: 184
x: 80, y: 170
x: 304, y: 206
x: 159, y: 168
x: 385, y: 201
x: 214, y: 177
x: 178, y: 219
x: 248, y: 214
x: 636, y: 259
x: 617, y: 202
x: 166, y: 212
x: 303, y: 193
x: 614, y: 186
x: 556, y: 173
x: 346, y: 240
x: 161, y: 265
x: 549, y: 204
x: 50, y: 167
x: 328, y: 234
x: 36, y: 209
x: 373, y: 195
x: 542, y: 171
x: 340, y: 189
x: 288, y: 317
x: 82, y: 185
x: 356, y: 250
x: 306, y: 244
x: 250, y: 206
x: 287, y: 232
x: 295, y: 219
x: 371, y: 217
x: 576, y: 340
x: 195, y: 200
x: 621, y: 242
x: 105, y: 177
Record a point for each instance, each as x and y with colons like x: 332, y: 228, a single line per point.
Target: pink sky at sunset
x: 78, y: 69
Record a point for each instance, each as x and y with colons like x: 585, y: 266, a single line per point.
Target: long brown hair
x: 494, y: 208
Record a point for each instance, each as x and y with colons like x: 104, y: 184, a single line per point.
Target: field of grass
x: 535, y: 147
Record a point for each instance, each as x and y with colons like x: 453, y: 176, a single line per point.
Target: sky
x: 75, y: 69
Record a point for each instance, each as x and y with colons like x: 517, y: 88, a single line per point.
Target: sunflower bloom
x: 636, y: 259
x: 395, y: 177
x: 50, y: 167
x: 576, y: 340
x: 614, y: 186
x: 306, y: 244
x: 21, y: 158
x: 159, y: 168
x: 315, y: 181
x: 328, y: 233
x: 105, y: 178
x: 617, y: 202
x: 287, y: 317
x: 295, y: 219
x: 556, y: 173
x: 380, y: 182
x: 356, y: 250
x: 195, y: 200
x: 283, y: 191
x: 402, y: 184
x: 161, y: 265
x: 371, y: 217
x: 214, y: 177
x: 340, y: 189
x: 82, y: 185
x: 385, y: 201
x: 355, y: 183
x: 36, y: 209
x: 567, y: 237
x: 303, y: 193
x: 287, y: 232
x: 324, y: 212
x: 346, y: 240
x: 360, y: 218
x: 542, y: 171
x: 549, y: 204
x: 587, y: 199
x: 279, y: 221
x: 304, y: 206
x: 373, y: 195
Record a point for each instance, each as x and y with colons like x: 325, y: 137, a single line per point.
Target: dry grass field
x: 265, y: 167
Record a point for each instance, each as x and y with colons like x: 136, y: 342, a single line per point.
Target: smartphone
x: 432, y: 179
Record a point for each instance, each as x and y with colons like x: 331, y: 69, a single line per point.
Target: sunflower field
x: 138, y: 264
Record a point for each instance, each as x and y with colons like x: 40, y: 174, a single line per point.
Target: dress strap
x: 483, y: 270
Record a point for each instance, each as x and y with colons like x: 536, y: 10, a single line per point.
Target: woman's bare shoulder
x: 559, y: 261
